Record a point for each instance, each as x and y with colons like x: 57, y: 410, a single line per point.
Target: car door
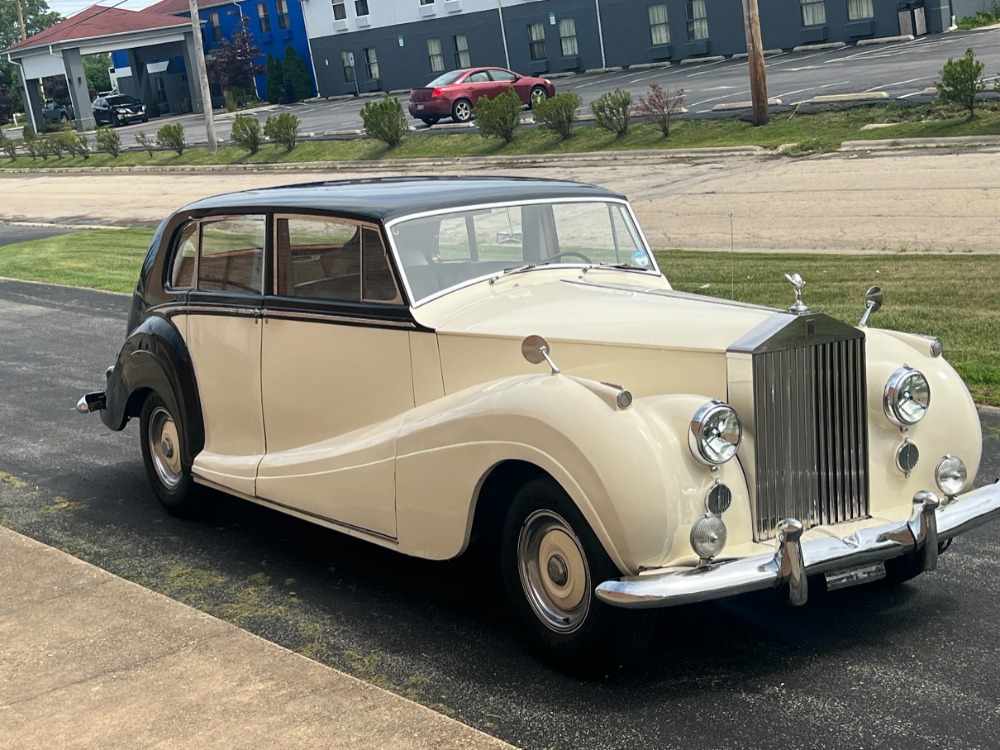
x: 336, y: 374
x: 504, y: 79
x: 221, y: 325
x: 477, y: 84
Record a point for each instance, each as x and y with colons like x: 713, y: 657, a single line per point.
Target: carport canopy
x: 147, y: 36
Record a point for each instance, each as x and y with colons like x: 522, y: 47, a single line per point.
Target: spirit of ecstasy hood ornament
x: 797, y: 283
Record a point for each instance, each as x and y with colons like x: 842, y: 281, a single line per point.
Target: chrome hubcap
x: 554, y: 572
x: 163, y: 447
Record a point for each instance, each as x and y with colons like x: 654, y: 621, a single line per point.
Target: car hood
x: 593, y: 308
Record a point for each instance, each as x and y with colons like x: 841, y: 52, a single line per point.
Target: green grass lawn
x: 925, y: 293
x: 822, y: 131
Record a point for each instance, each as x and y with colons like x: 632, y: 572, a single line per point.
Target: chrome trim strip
x: 273, y: 314
x: 929, y: 525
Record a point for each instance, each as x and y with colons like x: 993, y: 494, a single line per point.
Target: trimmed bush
x: 661, y: 106
x: 108, y: 141
x: 612, y: 111
x: 145, y: 142
x: 54, y: 145
x: 246, y: 133
x: 275, y: 76
x: 298, y: 82
x: 385, y: 120
x: 558, y: 113
x: 498, y: 117
x: 283, y: 129
x: 961, y: 81
x: 172, y: 137
x: 9, y: 146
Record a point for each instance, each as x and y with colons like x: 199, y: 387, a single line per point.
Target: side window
x: 182, y: 271
x: 503, y: 76
x: 232, y: 255
x: 332, y: 259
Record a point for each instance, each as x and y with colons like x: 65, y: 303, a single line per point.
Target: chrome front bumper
x: 796, y: 559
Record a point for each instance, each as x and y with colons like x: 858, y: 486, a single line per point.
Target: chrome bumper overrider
x: 795, y: 559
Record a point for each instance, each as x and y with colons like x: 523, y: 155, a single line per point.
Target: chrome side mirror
x: 535, y: 349
x: 873, y: 303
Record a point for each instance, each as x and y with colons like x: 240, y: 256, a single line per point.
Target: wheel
x: 538, y: 94
x: 116, y: 121
x: 428, y: 121
x: 162, y: 455
x: 145, y: 119
x: 551, y: 562
x: 567, y: 254
x: 63, y: 118
x: 461, y: 111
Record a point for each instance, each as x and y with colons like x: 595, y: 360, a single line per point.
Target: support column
x: 30, y: 89
x: 79, y: 93
x: 191, y: 71
x: 140, y: 78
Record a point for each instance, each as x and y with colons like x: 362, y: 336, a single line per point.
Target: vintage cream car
x: 425, y: 362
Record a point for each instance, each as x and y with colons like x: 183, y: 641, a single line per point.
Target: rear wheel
x: 538, y: 94
x: 162, y: 454
x: 428, y: 121
x: 551, y: 563
x: 461, y: 111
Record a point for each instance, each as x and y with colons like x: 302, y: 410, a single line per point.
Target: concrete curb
x: 703, y: 60
x: 766, y: 53
x: 963, y: 141
x: 859, y: 97
x: 819, y: 47
x: 726, y: 106
x: 884, y: 40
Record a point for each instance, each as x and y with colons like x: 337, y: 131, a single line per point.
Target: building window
x: 860, y: 10
x: 427, y: 2
x: 813, y: 12
x: 659, y: 29
x: 348, y: 62
x: 361, y: 7
x: 461, y: 51
x: 435, y: 55
x: 339, y: 12
x: 567, y: 37
x: 697, y: 20
x: 213, y: 20
x: 283, y: 20
x: 536, y: 35
x: 371, y: 63
x: 263, y: 18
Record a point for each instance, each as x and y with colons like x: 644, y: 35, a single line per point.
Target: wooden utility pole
x: 755, y: 62
x: 20, y: 20
x: 199, y: 63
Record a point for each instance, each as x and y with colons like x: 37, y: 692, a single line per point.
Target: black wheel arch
x: 155, y: 358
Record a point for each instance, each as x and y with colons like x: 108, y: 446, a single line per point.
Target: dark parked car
x: 454, y: 94
x: 55, y: 112
x: 118, y: 109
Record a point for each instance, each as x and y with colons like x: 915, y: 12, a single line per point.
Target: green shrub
x: 64, y: 142
x: 275, y: 80
x: 172, y: 137
x: 145, y: 142
x: 298, y: 82
x: 54, y: 145
x: 558, y: 113
x: 283, y: 129
x: 612, y: 111
x: 661, y: 106
x: 385, y: 120
x: 9, y: 146
x: 246, y: 133
x: 961, y: 81
x: 498, y: 117
x: 37, y: 147
x: 80, y: 146
x: 108, y: 141
x: 28, y: 133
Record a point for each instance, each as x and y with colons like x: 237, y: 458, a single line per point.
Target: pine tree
x: 298, y: 83
x: 275, y: 79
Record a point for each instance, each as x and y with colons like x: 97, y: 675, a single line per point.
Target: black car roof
x: 387, y: 198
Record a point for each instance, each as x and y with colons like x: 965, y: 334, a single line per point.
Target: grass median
x: 925, y: 293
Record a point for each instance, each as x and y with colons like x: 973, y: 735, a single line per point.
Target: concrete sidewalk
x: 90, y: 660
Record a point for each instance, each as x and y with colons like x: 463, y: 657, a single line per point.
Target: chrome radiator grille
x: 811, y: 433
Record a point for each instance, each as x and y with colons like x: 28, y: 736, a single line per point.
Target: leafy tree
x: 961, y: 81
x: 95, y: 68
x: 612, y: 111
x: 385, y: 120
x: 233, y: 65
x: 57, y: 89
x: 283, y: 129
x: 661, y: 106
x: 37, y: 17
x: 557, y: 113
x: 298, y: 84
x: 498, y: 117
x: 275, y: 80
x: 9, y: 102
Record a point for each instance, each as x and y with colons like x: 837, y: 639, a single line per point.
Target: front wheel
x: 551, y: 563
x: 461, y: 111
x: 538, y: 94
x: 162, y: 454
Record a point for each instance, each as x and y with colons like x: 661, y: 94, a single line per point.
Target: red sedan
x: 455, y: 93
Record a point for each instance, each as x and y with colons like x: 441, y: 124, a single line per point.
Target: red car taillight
x: 436, y: 93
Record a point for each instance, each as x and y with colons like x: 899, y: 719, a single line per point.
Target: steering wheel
x: 567, y: 254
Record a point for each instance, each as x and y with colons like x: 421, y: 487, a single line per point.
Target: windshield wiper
x: 626, y: 266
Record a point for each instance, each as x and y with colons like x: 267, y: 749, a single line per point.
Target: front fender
x: 155, y: 358
x: 629, y: 471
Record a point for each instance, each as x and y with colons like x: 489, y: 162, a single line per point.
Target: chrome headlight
x: 907, y: 396
x: 951, y: 475
x: 715, y: 433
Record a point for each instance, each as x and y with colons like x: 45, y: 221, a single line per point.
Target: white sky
x: 69, y: 7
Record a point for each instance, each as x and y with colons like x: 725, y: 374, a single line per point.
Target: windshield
x: 122, y: 99
x: 445, y: 78
x: 449, y: 249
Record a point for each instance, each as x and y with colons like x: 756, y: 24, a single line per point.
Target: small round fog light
x: 951, y: 475
x: 718, y: 499
x: 708, y: 536
x: 906, y: 457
